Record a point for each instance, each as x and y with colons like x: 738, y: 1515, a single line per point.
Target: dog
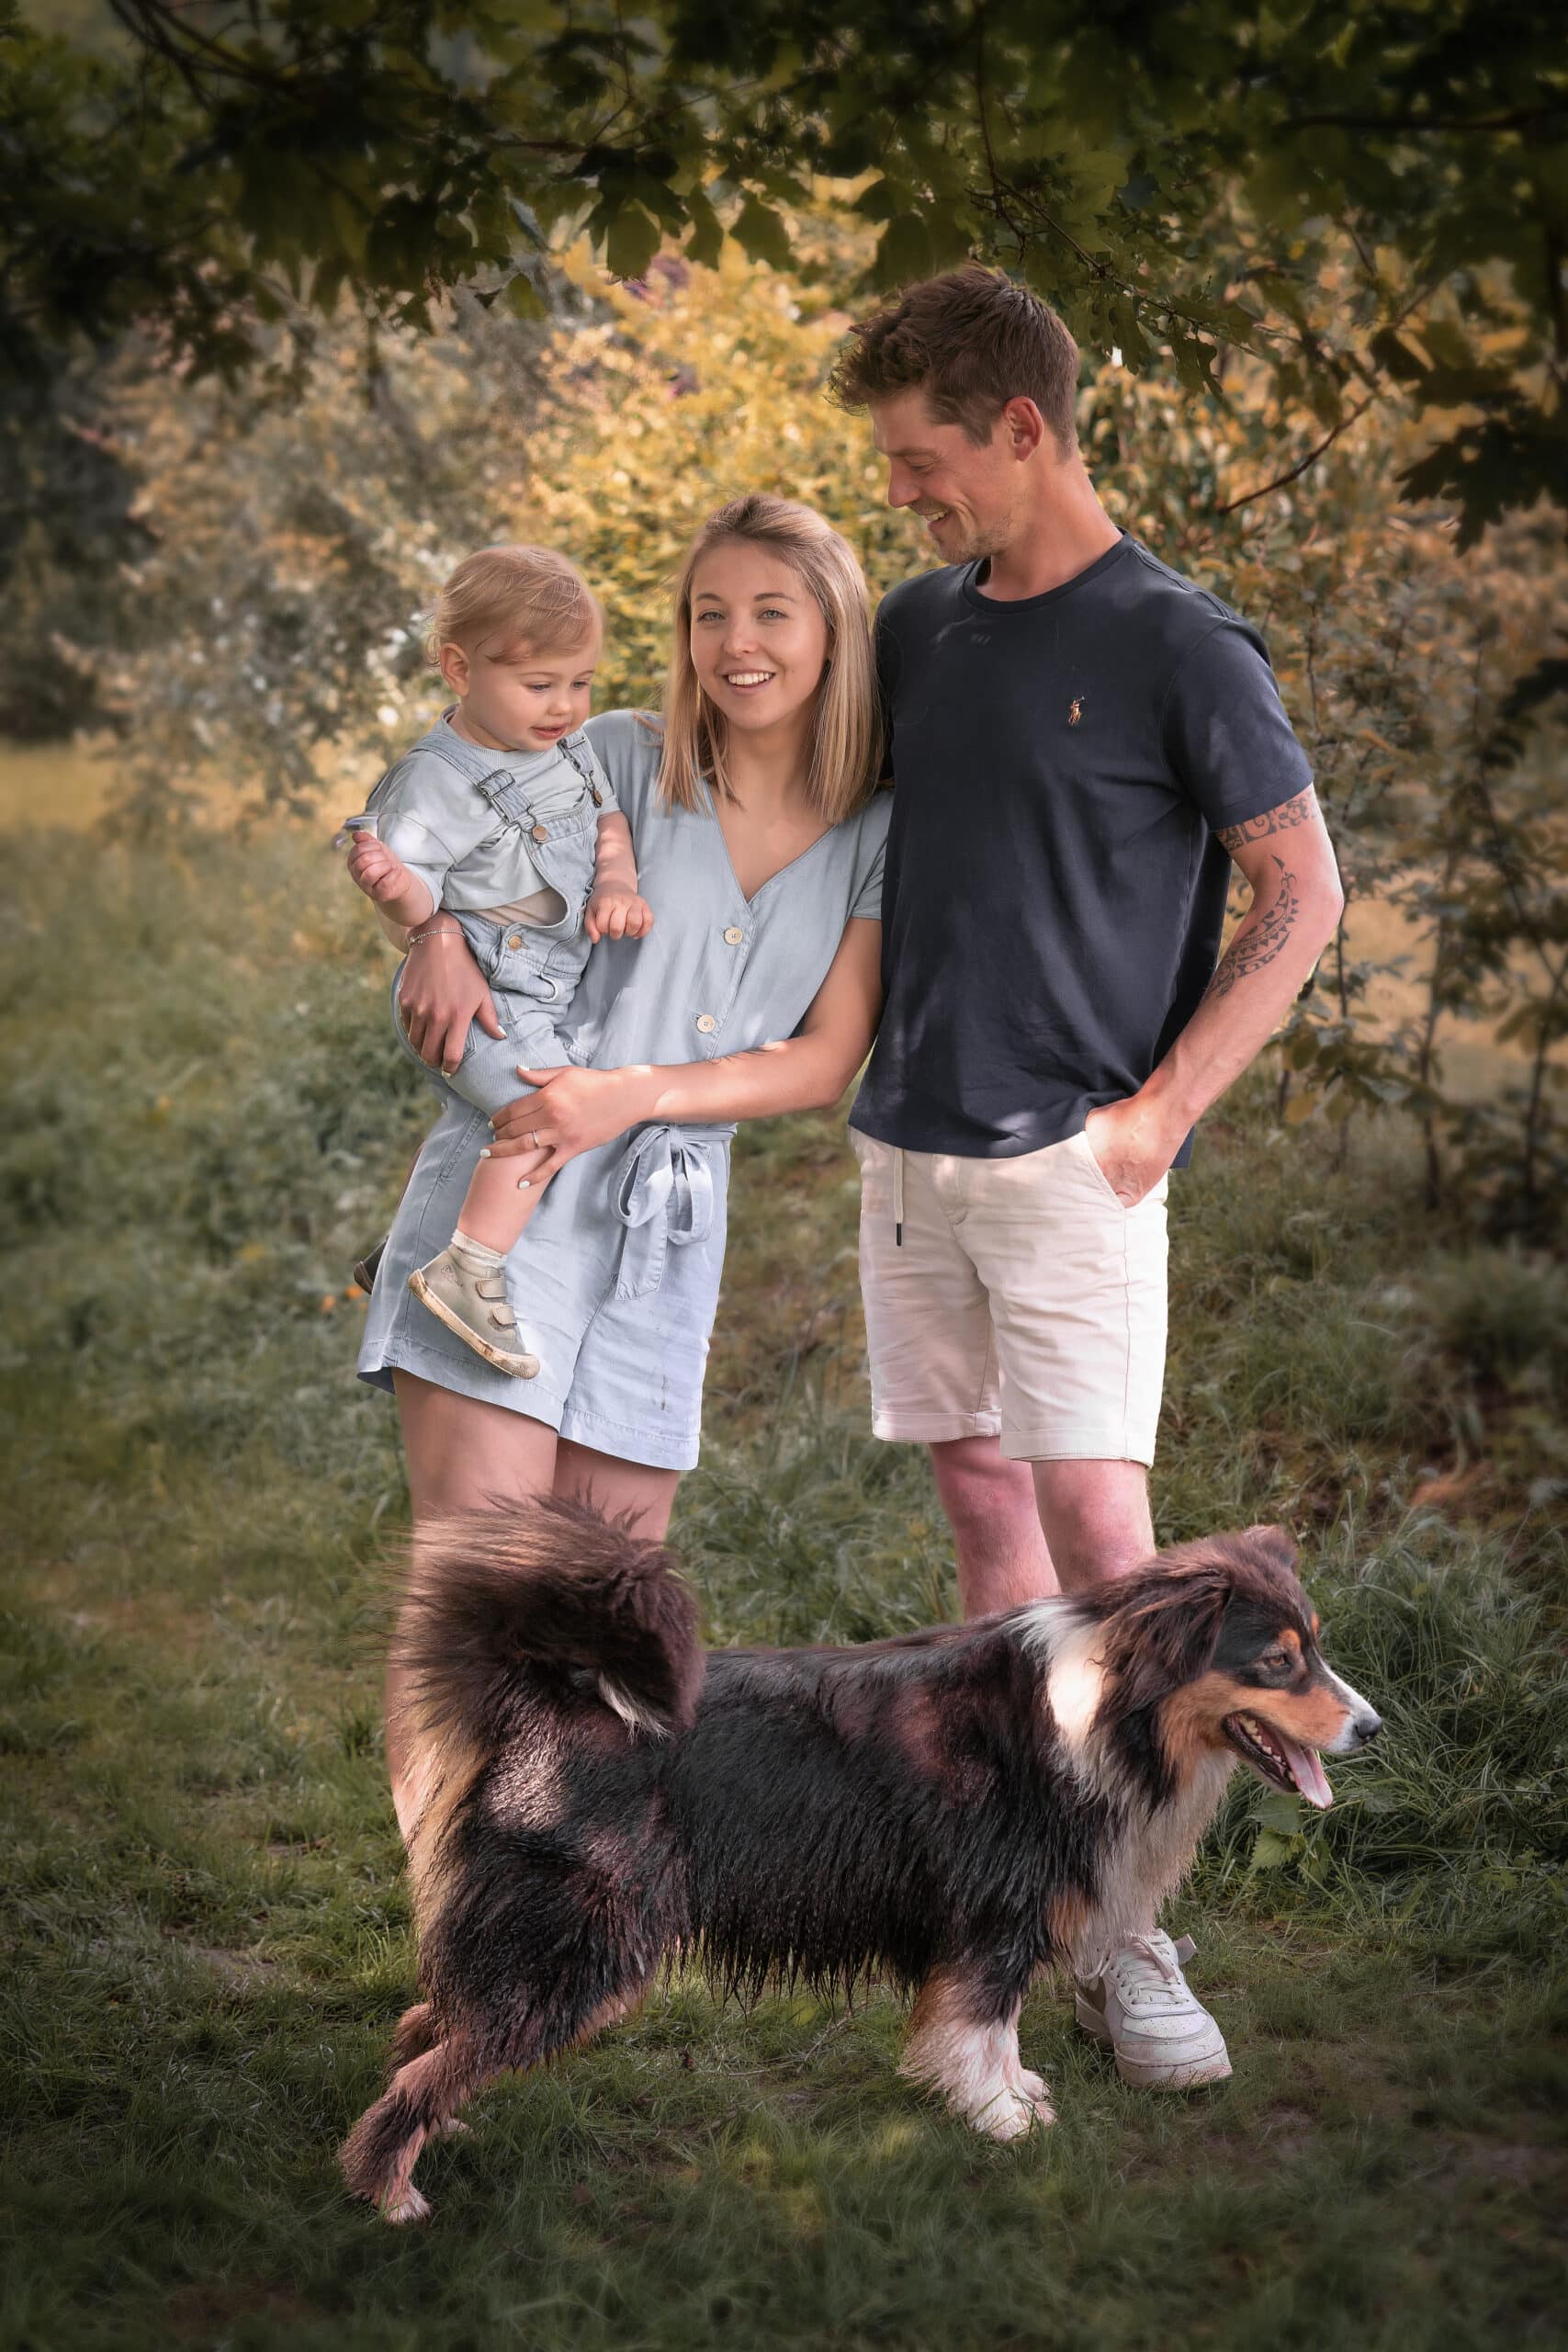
x: 956, y: 1809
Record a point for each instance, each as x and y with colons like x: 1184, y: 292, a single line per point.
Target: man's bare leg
x: 990, y: 1505
x: 1096, y: 1518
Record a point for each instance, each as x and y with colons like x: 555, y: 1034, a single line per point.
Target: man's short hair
x: 971, y: 339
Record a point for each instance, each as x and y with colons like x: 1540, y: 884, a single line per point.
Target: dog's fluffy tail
x: 545, y: 1583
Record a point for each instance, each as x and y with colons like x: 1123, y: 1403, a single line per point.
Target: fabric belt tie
x: 663, y: 1193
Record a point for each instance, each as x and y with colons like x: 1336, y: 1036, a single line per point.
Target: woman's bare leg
x: 617, y: 1488
x: 460, y: 1454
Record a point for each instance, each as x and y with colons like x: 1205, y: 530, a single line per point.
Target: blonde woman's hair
x: 846, y: 732
x: 530, y: 595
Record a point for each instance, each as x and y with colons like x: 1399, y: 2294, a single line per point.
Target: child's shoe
x: 465, y: 1288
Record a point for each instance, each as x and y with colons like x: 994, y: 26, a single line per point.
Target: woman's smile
x: 757, y: 634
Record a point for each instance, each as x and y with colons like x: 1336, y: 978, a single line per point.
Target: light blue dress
x: 615, y: 1279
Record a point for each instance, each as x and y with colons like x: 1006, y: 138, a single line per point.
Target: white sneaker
x: 475, y: 1306
x: 1142, y: 2005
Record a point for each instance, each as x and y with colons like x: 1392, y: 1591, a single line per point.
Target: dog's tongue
x: 1311, y: 1778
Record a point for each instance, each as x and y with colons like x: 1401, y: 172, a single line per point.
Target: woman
x: 759, y: 840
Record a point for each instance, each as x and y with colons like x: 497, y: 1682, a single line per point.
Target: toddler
x: 502, y: 824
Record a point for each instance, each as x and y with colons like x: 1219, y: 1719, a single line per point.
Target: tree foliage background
x: 299, y: 302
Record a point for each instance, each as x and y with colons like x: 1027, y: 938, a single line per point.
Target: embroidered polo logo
x: 1075, y: 710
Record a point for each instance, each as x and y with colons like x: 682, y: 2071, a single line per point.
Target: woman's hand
x: 442, y: 991
x: 574, y: 1110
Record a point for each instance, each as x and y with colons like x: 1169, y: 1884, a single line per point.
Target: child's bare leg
x: 501, y: 1199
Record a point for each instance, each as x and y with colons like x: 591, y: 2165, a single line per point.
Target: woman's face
x: 758, y: 640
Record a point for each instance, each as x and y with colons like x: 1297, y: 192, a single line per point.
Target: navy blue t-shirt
x: 1054, y: 892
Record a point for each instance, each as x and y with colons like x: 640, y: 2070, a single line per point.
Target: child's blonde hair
x: 844, y: 754
x: 530, y: 595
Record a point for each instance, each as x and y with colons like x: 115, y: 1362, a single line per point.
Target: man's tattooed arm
x: 1264, y: 935
x: 1299, y: 811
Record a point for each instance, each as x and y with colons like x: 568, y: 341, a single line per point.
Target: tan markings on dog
x: 1313, y: 1716
x: 851, y: 1707
x: 609, y: 2013
x: 412, y: 2035
x: 437, y: 2082
x: 1067, y: 1918
x: 914, y: 1722
x: 976, y: 2066
x: 1190, y: 1719
x: 447, y: 1773
x: 1290, y: 1640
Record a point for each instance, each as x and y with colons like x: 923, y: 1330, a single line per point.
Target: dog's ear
x: 1276, y: 1545
x: 1165, y: 1632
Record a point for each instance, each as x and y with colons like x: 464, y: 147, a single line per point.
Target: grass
x: 206, y: 1935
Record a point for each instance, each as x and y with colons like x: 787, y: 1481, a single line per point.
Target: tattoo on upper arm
x: 1258, y: 942
x: 1298, y: 811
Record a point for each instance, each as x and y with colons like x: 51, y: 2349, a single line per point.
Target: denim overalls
x: 615, y: 1279
x: 533, y: 968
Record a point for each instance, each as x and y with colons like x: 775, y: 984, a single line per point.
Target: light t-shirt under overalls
x: 506, y: 842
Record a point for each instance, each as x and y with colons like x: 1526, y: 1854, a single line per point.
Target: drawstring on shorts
x: 897, y: 1200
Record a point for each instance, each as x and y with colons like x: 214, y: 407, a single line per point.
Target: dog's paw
x: 1012, y: 2113
x: 400, y: 2205
x: 1036, y: 2091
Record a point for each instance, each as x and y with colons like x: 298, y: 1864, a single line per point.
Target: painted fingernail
x: 525, y: 1183
x: 485, y: 1154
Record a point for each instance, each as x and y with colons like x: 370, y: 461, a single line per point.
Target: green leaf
x: 1282, y: 1814
x: 631, y: 241
x: 1268, y: 1851
x: 761, y: 235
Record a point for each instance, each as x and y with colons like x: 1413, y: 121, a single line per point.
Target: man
x: 1082, y: 742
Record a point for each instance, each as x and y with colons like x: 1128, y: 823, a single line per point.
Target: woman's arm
x: 575, y: 1110
x: 441, y: 991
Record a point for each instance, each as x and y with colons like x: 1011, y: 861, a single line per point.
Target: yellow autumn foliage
x: 698, y: 386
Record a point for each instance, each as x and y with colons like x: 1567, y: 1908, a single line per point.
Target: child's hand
x: 617, y: 915
x: 374, y: 869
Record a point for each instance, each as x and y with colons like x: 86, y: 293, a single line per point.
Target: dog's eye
x: 1276, y: 1661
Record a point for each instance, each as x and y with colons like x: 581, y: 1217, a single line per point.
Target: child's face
x: 517, y: 699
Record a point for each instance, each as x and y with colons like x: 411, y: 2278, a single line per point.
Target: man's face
x: 966, y: 495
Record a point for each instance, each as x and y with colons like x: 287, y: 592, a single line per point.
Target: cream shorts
x: 1025, y: 1301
